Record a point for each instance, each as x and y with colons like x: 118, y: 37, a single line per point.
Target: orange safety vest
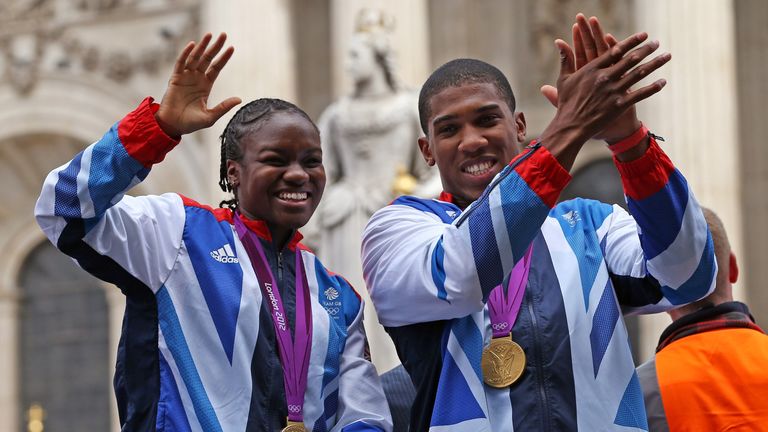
x: 715, y: 381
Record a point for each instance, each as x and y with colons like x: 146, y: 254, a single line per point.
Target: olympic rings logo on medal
x: 499, y: 326
x: 294, y: 408
x: 332, y: 310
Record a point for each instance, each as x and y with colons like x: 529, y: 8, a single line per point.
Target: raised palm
x: 184, y: 108
x: 590, y: 42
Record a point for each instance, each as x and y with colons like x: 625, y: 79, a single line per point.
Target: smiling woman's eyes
x: 273, y: 160
x: 313, y: 161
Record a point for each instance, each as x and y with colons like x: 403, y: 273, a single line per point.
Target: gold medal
x: 294, y: 427
x: 503, y: 362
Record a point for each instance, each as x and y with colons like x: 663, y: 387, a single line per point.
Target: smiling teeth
x: 293, y: 196
x: 479, y: 168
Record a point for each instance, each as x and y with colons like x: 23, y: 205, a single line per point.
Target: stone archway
x: 63, y: 344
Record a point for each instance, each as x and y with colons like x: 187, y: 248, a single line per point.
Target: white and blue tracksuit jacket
x: 429, y: 268
x: 198, y: 350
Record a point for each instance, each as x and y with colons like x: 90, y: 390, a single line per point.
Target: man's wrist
x: 629, y: 142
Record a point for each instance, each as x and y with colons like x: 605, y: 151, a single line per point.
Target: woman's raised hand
x: 184, y: 108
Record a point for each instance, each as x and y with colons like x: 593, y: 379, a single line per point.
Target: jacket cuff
x: 543, y: 174
x: 142, y: 137
x: 647, y: 175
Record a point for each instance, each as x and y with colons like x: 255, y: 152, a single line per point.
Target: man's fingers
x: 181, y: 60
x: 211, y: 52
x: 197, y: 53
x: 635, y: 75
x: 617, y: 51
x: 578, y: 47
x: 610, y: 40
x: 599, y: 35
x: 567, y: 62
x: 587, y: 38
x: 632, y: 59
x: 550, y: 93
x: 213, y: 71
x: 633, y: 97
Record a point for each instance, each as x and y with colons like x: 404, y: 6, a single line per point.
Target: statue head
x: 370, y: 52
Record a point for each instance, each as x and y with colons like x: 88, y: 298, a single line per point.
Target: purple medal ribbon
x: 504, y: 309
x: 294, y: 352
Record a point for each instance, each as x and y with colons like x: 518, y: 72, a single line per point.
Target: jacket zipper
x: 537, y: 364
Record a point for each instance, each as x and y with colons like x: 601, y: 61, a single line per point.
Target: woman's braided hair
x: 247, y: 119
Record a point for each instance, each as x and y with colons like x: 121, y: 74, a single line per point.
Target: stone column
x: 752, y: 61
x: 263, y: 64
x: 696, y: 112
x: 409, y: 39
x: 9, y: 359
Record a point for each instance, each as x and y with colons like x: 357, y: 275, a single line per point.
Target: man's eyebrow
x: 448, y: 117
x: 442, y: 119
x: 489, y: 107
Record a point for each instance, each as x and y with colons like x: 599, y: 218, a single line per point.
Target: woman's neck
x: 281, y: 236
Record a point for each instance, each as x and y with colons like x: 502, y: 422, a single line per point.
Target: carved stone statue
x: 371, y: 155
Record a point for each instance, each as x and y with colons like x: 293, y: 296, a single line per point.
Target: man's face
x: 472, y: 136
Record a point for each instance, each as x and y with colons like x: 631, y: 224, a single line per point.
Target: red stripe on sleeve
x: 647, y: 175
x: 543, y: 174
x: 221, y: 214
x: 142, y: 137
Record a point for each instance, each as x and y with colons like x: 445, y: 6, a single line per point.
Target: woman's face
x: 281, y: 177
x: 361, y: 61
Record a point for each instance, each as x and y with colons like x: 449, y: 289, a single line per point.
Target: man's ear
x: 521, y: 126
x: 233, y: 173
x: 733, y: 269
x: 426, y: 152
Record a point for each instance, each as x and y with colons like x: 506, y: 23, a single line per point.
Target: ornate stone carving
x: 36, y: 37
x: 552, y: 19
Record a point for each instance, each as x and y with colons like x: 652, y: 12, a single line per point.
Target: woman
x: 208, y: 343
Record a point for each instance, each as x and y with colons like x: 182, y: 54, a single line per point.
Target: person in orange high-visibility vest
x: 709, y: 371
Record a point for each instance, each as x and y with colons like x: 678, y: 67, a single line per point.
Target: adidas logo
x: 224, y: 255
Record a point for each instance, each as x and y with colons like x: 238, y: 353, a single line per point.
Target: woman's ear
x: 233, y: 173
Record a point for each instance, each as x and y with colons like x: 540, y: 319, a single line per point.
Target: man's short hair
x: 459, y: 72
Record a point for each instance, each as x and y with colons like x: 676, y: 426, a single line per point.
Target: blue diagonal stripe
x: 579, y: 219
x: 471, y: 341
x: 603, y: 324
x: 111, y: 170
x: 220, y: 283
x: 438, y: 270
x: 698, y: 284
x: 484, y: 247
x: 631, y: 412
x: 177, y: 344
x: 515, y: 195
x: 454, y: 402
x: 67, y: 204
x: 671, y: 201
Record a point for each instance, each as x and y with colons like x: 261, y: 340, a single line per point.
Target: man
x: 709, y: 368
x: 566, y: 271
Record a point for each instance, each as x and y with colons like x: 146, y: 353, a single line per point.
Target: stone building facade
x: 70, y: 68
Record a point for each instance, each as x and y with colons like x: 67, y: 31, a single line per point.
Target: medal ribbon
x: 294, y: 352
x: 504, y: 308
